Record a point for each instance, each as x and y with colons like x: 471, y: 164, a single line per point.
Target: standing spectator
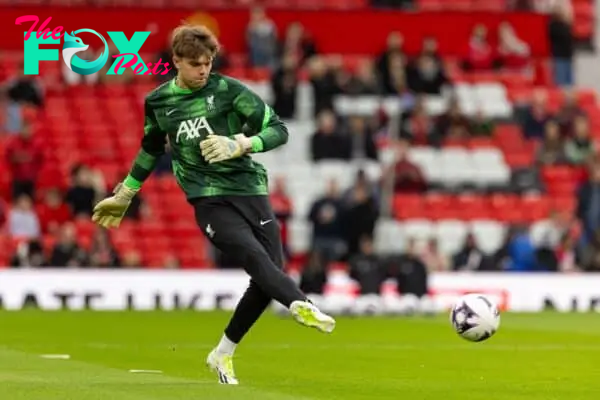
x: 282, y: 207
x: 580, y: 147
x: 589, y: 257
x: 82, y: 195
x: 261, y: 36
x: 328, y: 142
x: 360, y: 216
x: 284, y: 83
x: 552, y: 149
x: 561, y: 45
x: 588, y: 207
x: 53, y: 213
x: 297, y: 42
x: 67, y: 252
x: 25, y: 158
x: 23, y: 223
x: 326, y: 215
x: 536, y: 116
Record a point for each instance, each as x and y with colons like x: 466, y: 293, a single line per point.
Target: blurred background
x: 426, y: 136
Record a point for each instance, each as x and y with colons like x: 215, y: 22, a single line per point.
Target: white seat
x: 299, y: 235
x: 489, y: 235
x: 451, y: 235
x: 420, y: 229
x: 389, y: 236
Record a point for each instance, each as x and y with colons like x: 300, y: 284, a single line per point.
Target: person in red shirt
x: 53, y: 212
x: 408, y: 177
x: 480, y: 56
x: 282, y: 206
x: 25, y: 158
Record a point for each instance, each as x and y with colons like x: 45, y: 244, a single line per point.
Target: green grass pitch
x: 543, y: 356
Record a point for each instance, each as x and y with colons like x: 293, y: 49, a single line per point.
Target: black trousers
x: 245, y: 229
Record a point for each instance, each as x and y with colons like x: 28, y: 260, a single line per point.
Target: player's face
x: 193, y: 72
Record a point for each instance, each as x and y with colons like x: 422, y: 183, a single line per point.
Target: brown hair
x: 194, y: 41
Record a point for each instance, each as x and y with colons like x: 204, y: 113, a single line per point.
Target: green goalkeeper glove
x: 217, y: 148
x: 109, y: 212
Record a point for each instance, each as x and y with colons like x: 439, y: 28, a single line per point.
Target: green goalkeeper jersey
x: 224, y: 106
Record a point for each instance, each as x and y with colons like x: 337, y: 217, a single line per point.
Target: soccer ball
x: 475, y: 317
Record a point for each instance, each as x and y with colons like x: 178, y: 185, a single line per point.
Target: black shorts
x: 244, y: 228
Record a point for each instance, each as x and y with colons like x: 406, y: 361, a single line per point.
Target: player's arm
x: 109, y: 212
x: 259, y: 117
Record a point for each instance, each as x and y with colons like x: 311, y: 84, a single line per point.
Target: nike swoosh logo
x: 170, y: 111
x: 265, y: 222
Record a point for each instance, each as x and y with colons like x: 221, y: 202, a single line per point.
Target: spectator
x: 568, y: 112
x: 589, y: 257
x: 408, y: 177
x: 82, y: 194
x: 326, y: 215
x: 513, y: 52
x: 521, y: 252
x: 561, y: 45
x: 25, y: 158
x: 324, y: 85
x: 396, y: 80
x: 67, y: 252
x: 366, y: 268
x: 328, y: 143
x: 588, y: 207
x: 362, y: 139
x: 427, y: 76
x: 470, y: 257
x: 430, y: 49
x: 364, y: 81
x: 132, y: 259
x: 261, y: 36
x: 452, y: 124
x: 298, y: 43
x: 410, y: 272
x: 314, y: 274
x: 102, y: 251
x: 23, y: 223
x: 433, y: 258
x: 481, y: 55
x: 361, y: 213
x: 536, y: 116
x: 415, y: 124
x: 25, y: 89
x: 283, y: 209
x: 481, y: 125
x: 566, y: 254
x: 284, y: 83
x: 552, y: 149
x: 29, y: 254
x: 53, y: 213
x: 385, y: 66
x: 580, y: 147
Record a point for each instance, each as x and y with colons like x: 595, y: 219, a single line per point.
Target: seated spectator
x: 53, y: 213
x: 452, y: 124
x: 385, y: 67
x: 132, y: 259
x: 326, y: 215
x: 314, y: 274
x: 426, y: 76
x: 297, y: 42
x: 29, y: 254
x: 408, y: 177
x: 410, y: 272
x: 521, y: 252
x: 536, y: 116
x: 366, y: 268
x: 362, y: 139
x: 481, y: 56
x: 568, y: 112
x: 364, y: 81
x: 67, y: 252
x: 589, y: 256
x: 580, y: 147
x: 283, y: 208
x: 328, y: 142
x: 588, y: 206
x: 25, y: 159
x: 470, y: 257
x: 22, y: 221
x: 82, y: 195
x: 102, y: 252
x: 513, y: 52
x: 284, y: 84
x: 430, y: 48
x: 552, y: 149
x: 397, y: 78
x: 566, y: 254
x: 416, y: 125
x: 433, y: 258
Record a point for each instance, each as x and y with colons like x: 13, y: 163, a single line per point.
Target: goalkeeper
x: 203, y: 115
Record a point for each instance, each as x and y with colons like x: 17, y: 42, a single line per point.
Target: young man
x: 202, y: 114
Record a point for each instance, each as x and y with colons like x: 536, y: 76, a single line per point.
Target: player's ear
x: 177, y: 61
